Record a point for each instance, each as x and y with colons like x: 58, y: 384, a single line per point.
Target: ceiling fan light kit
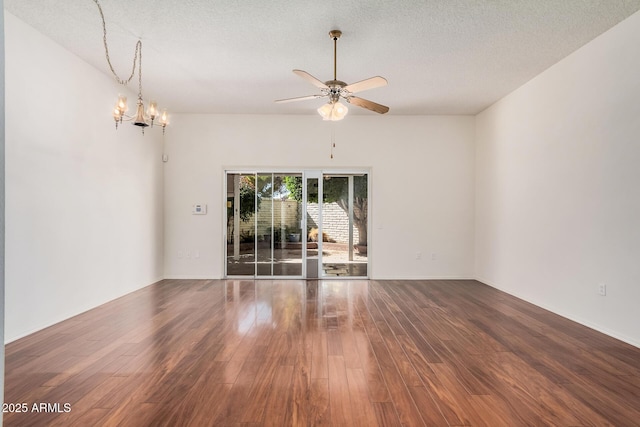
x: 336, y: 89
x: 333, y: 111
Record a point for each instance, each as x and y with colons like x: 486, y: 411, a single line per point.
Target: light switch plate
x: 199, y: 209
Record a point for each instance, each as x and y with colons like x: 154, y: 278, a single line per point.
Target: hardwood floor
x: 334, y: 353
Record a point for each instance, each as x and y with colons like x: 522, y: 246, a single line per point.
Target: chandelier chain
x: 137, y: 56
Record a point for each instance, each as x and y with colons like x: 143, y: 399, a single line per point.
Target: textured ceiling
x: 236, y: 56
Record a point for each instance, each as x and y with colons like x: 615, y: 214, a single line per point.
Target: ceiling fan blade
x: 367, y: 84
x: 308, y: 77
x: 299, y: 98
x: 369, y: 105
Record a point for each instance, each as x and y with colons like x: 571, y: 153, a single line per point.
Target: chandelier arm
x: 137, y: 54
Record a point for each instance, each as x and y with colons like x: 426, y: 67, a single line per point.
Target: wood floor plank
x: 123, y: 389
x: 322, y: 353
x: 368, y: 322
x: 428, y: 408
x: 422, y: 334
x: 259, y: 391
x: 361, y: 407
x: 93, y: 417
x: 467, y: 368
x: 339, y: 397
x: 301, y: 384
x: 398, y: 391
x: 447, y: 386
x: 319, y: 409
x: 390, y: 336
x: 376, y: 386
x: 349, y: 345
x: 110, y: 386
x: 492, y: 411
x: 234, y: 366
x: 135, y: 413
x: 233, y: 406
x: 334, y: 343
x: 386, y: 414
x: 279, y: 404
x: 512, y: 384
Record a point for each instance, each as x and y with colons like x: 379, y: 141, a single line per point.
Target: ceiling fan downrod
x: 335, y: 35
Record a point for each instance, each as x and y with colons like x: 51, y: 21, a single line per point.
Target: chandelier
x: 141, y: 118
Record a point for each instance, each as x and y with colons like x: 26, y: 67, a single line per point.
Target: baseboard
x: 423, y: 278
x: 555, y: 310
x: 189, y: 277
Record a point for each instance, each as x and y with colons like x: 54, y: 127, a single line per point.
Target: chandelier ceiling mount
x: 141, y: 118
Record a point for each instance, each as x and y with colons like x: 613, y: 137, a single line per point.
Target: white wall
x: 2, y: 182
x: 422, y: 172
x: 558, y: 175
x: 84, y: 218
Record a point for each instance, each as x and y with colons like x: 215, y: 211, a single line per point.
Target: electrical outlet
x: 418, y: 255
x: 434, y: 257
x: 602, y: 289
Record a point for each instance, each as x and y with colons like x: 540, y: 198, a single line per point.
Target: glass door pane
x: 266, y: 234
x: 344, y: 225
x: 360, y: 225
x: 241, y: 224
x: 313, y: 223
x: 287, y: 225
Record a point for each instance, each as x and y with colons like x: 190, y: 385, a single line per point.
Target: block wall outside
x: 287, y: 213
x: 335, y: 221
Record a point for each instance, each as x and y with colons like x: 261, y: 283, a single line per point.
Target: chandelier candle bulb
x: 164, y: 118
x: 152, y: 112
x: 122, y: 104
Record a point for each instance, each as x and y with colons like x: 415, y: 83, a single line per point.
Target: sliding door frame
x: 306, y: 173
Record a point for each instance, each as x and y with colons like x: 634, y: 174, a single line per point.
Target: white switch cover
x: 199, y: 209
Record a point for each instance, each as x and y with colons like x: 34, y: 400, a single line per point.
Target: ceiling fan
x: 336, y: 89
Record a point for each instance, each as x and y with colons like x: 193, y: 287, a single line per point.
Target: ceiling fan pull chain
x: 333, y: 139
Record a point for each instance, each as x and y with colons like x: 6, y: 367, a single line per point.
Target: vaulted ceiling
x: 439, y: 56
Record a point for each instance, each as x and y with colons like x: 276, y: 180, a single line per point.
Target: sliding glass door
x: 264, y: 228
x: 241, y: 224
x: 266, y: 213
x: 344, y: 225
